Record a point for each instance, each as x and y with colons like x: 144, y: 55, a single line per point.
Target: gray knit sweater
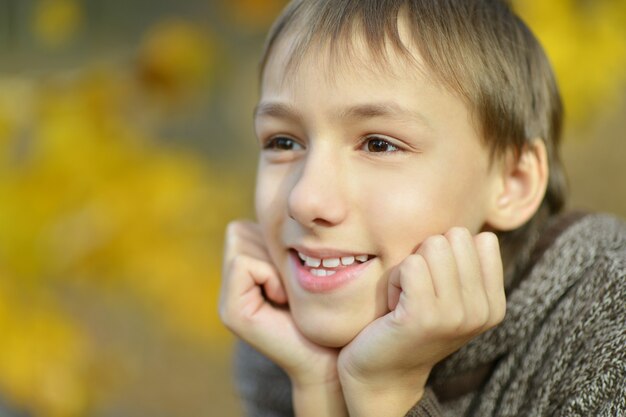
x: 560, y: 351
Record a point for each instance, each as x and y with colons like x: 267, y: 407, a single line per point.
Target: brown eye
x: 379, y: 145
x: 282, y: 143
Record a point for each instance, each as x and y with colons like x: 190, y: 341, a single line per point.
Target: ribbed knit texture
x: 560, y: 351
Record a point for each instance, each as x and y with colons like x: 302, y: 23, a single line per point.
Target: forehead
x: 333, y: 88
x: 343, y: 59
x: 350, y: 80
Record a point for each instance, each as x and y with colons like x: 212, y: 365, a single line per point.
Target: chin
x: 330, y: 340
x: 331, y: 335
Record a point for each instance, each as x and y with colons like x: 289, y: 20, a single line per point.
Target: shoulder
x: 566, y: 320
x: 592, y: 245
x: 583, y: 269
x: 583, y: 276
x: 605, y: 230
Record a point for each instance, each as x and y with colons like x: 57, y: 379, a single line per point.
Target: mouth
x: 327, y: 272
x: 328, y: 266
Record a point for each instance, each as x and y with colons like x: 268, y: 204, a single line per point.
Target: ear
x: 522, y: 186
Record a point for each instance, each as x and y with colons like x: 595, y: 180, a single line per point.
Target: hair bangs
x: 338, y: 31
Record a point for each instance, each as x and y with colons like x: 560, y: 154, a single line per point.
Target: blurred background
x: 126, y: 145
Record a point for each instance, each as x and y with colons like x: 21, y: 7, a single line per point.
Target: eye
x: 376, y: 144
x: 282, y: 143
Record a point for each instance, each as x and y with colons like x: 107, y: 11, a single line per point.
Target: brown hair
x: 478, y: 49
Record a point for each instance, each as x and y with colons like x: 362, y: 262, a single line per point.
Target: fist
x: 447, y: 292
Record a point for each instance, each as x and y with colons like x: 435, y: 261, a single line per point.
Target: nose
x: 318, y: 197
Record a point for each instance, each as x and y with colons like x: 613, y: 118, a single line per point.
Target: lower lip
x: 315, y: 284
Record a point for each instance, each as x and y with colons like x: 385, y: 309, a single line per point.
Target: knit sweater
x: 560, y: 351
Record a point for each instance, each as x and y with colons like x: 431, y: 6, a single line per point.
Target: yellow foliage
x: 586, y: 43
x: 56, y: 21
x: 87, y: 196
x: 12, y: 116
x: 43, y: 359
x: 5, y: 129
x: 255, y: 14
x: 176, y: 57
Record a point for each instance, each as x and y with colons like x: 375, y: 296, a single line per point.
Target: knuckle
x: 499, y: 303
x: 410, y: 264
x: 239, y: 262
x: 458, y: 234
x: 498, y: 314
x: 487, y: 240
x: 433, y: 244
x: 225, y: 317
x: 495, y: 318
x: 233, y: 228
x: 458, y: 322
x: 478, y: 307
x: 237, y: 229
x: 429, y: 321
x: 235, y: 268
x: 480, y: 318
x: 455, y: 320
x: 233, y: 319
x: 231, y: 237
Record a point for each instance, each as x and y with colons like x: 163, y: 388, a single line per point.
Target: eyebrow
x: 277, y: 110
x: 389, y: 110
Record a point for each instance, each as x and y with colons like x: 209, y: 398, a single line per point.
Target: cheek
x: 262, y: 198
x: 401, y: 219
x: 404, y: 213
x: 269, y: 199
x: 269, y: 209
x: 398, y: 213
x: 273, y: 186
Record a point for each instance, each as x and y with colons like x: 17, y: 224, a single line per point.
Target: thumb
x: 274, y: 290
x: 394, y: 289
x: 265, y: 275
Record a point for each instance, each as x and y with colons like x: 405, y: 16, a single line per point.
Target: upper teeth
x: 331, y: 262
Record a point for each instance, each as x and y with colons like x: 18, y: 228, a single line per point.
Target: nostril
x: 322, y: 222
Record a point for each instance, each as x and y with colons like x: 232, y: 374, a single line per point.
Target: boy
x: 400, y: 140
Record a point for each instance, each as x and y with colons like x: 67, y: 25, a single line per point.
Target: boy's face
x: 360, y: 161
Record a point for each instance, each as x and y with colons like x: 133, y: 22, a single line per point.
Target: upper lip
x: 326, y: 252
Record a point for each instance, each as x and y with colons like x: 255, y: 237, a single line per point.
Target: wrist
x: 323, y: 399
x: 310, y: 377
x: 382, y: 397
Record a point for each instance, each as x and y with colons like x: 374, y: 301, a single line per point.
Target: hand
x: 253, y: 305
x: 439, y: 298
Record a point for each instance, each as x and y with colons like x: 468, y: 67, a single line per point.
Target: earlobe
x: 522, y: 186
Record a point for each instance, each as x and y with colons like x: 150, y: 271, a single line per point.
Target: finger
x: 394, y: 289
x: 411, y: 278
x: 251, y: 231
x: 241, y: 287
x: 475, y: 303
x: 439, y: 257
x: 244, y: 237
x: 467, y: 261
x: 410, y: 282
x: 250, y: 316
x: 275, y: 291
x: 490, y: 259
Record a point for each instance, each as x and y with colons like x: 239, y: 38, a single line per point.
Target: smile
x: 328, y: 264
x: 324, y: 274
